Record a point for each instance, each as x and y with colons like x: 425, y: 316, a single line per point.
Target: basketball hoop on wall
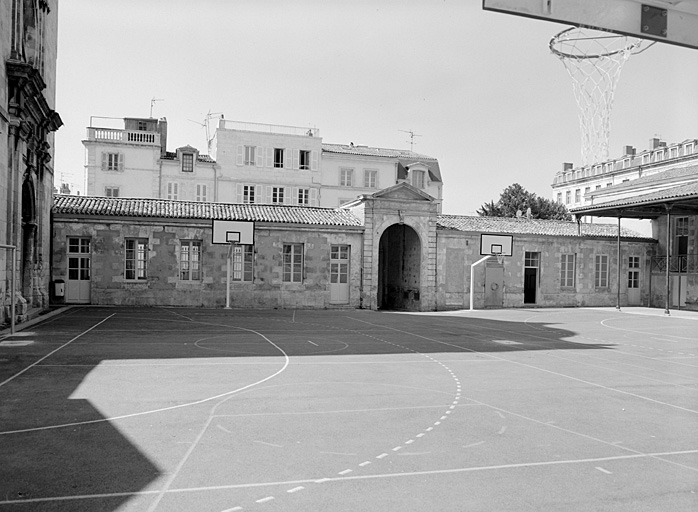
x: 594, y: 61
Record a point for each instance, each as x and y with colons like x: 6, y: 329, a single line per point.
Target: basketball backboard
x: 496, y: 244
x: 233, y: 231
x: 668, y: 21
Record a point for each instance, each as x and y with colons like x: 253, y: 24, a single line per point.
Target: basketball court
x: 175, y: 409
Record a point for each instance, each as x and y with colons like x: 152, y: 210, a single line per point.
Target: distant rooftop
x: 226, y: 124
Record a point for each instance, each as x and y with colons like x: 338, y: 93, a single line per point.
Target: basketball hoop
x: 594, y: 60
x: 499, y: 255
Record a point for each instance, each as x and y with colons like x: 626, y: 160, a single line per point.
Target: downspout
x: 215, y: 183
x: 668, y: 241
x: 619, y: 270
x: 160, y: 178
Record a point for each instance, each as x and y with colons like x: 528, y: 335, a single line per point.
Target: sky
x: 480, y: 90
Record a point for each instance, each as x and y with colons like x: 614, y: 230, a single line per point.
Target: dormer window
x: 187, y: 162
x: 418, y: 178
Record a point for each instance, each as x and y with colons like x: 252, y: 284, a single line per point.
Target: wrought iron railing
x: 687, y: 264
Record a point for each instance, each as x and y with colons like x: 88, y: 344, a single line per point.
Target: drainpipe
x: 668, y: 241
x: 160, y: 178
x: 619, y: 270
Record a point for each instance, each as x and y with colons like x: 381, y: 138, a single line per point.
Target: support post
x: 227, y: 275
x: 668, y: 242
x: 619, y: 270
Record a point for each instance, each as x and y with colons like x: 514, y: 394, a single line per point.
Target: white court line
x: 313, y: 343
x: 603, y: 470
x: 56, y: 350
x: 356, y: 477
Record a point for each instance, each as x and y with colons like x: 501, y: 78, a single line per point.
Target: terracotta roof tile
x: 683, y: 191
x: 163, y: 208
x: 524, y: 226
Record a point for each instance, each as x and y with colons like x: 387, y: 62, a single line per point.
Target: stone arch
x: 399, y: 268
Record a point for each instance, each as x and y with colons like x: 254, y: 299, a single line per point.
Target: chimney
x: 567, y: 166
x: 162, y: 129
x: 655, y: 142
x: 629, y: 151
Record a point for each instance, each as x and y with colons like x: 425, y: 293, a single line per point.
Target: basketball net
x: 594, y: 61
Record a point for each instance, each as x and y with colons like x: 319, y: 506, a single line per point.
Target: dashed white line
x: 313, y: 343
x: 345, y: 472
x: 382, y: 455
x: 421, y: 434
x: 234, y: 509
x: 410, y: 441
x: 603, y: 470
x: 365, y: 463
x: 397, y: 448
x: 264, y: 500
x: 502, y: 430
x: 296, y: 489
x: 437, y: 423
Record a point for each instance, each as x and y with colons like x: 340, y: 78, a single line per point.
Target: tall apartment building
x: 250, y: 163
x: 28, y: 44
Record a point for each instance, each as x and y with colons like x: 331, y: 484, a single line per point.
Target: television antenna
x: 152, y: 104
x: 206, y: 124
x: 412, y: 136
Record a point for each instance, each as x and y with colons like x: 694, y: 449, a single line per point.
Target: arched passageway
x: 399, y: 265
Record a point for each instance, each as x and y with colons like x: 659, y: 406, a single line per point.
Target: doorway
x: 339, y: 274
x: 77, y: 286
x: 399, y: 269
x: 531, y: 264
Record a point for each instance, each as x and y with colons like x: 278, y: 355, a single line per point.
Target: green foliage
x: 515, y: 199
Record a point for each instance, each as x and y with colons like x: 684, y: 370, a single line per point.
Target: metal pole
x: 227, y: 277
x: 668, y: 241
x: 13, y: 251
x: 619, y: 270
x: 472, y: 277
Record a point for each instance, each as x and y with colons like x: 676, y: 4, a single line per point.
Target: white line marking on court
x: 268, y: 444
x: 473, y: 444
x: 234, y: 509
x: 295, y: 489
x: 264, y: 500
x: 397, y: 448
x: 603, y: 470
x: 430, y: 429
x: 54, y: 351
x: 410, y: 441
x: 322, y: 480
x: 365, y: 463
x: 382, y: 455
x: 313, y: 343
x: 345, y: 472
x: 437, y: 423
x: 421, y: 434
x: 339, y: 453
x: 293, y: 320
x: 500, y: 414
x: 502, y: 430
x: 221, y: 427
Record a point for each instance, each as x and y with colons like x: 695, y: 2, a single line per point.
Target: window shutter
x: 270, y: 157
x: 104, y: 161
x: 294, y: 196
x: 267, y: 196
x: 241, y: 154
x: 296, y: 154
x: 313, y: 160
x: 288, y: 164
x: 238, y: 192
x: 121, y: 162
x: 259, y: 156
x: 287, y: 196
x: 257, y: 193
x: 313, y: 197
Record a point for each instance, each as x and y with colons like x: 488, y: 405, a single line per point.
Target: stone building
x: 391, y: 249
x: 28, y: 40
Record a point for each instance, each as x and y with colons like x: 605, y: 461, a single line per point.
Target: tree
x: 515, y: 199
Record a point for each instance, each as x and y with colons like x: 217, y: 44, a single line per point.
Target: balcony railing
x: 114, y: 135
x: 687, y: 264
x: 269, y: 128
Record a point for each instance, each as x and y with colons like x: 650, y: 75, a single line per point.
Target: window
x: 559, y: 198
x: 293, y: 263
x: 345, y: 176
x: 304, y: 159
x: 304, y: 196
x: 111, y: 191
x: 626, y: 162
x: 78, y: 259
x: 531, y: 259
x: 658, y: 156
x: 633, y: 272
x: 201, y: 193
x: 142, y: 126
x: 249, y: 155
x: 370, y: 178
x: 248, y: 194
x: 136, y: 258
x: 601, y: 271
x: 577, y: 195
x: 112, y: 162
x: 680, y: 249
x: 567, y: 270
x: 187, y: 162
x: 598, y: 187
x: 190, y: 260
x: 673, y: 152
x: 339, y: 264
x: 568, y: 197
x: 277, y: 195
x: 688, y: 149
x: 610, y: 184
x: 586, y: 193
x: 418, y: 178
x: 173, y: 190
x: 242, y: 263
x: 646, y: 159
x: 278, y: 157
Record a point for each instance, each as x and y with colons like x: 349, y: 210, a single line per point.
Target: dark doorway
x: 399, y: 263
x: 530, y: 280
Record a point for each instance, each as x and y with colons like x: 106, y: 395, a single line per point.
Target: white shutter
x: 313, y: 197
x: 270, y: 158
x: 267, y: 196
x: 293, y: 199
x: 241, y: 155
x: 259, y: 157
x: 104, y: 161
x: 313, y: 161
x: 287, y: 195
x: 121, y: 162
x: 238, y: 192
x: 257, y: 193
x: 288, y: 163
x: 296, y: 153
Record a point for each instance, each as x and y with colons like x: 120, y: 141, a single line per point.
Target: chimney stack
x: 629, y: 151
x: 567, y: 166
x: 162, y: 129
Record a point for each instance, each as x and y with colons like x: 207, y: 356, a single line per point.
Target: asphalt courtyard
x: 173, y: 409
